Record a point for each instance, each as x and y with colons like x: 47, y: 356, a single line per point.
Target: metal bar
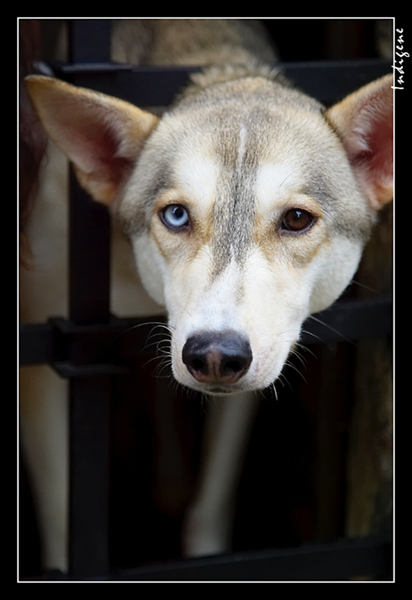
x: 336, y: 561
x: 327, y: 81
x: 89, y: 404
x: 89, y: 257
x: 350, y: 320
x: 38, y: 345
x: 89, y: 40
x: 89, y: 222
x: 89, y: 477
x: 345, y: 320
x: 367, y: 558
x: 89, y: 302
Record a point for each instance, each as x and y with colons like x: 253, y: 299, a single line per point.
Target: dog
x: 247, y: 203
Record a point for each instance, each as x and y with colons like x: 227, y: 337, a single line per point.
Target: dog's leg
x: 43, y: 412
x: 209, y: 521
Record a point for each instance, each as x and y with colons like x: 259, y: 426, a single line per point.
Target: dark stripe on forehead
x: 234, y: 209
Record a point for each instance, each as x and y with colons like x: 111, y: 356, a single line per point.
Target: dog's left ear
x: 101, y: 135
x: 364, y: 122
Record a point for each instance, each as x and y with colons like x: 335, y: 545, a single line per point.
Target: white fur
x: 195, y: 307
x: 197, y: 175
x: 265, y: 299
x: 272, y: 183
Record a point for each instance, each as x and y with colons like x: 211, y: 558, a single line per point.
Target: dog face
x: 247, y: 206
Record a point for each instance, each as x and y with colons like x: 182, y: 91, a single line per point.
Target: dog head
x: 247, y: 204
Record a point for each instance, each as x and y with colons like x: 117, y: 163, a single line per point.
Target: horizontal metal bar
x: 349, y: 320
x: 68, y: 370
x: 342, y: 560
x: 90, y: 68
x: 151, y: 85
x: 330, y: 80
x: 39, y: 345
x: 344, y: 321
x: 336, y: 561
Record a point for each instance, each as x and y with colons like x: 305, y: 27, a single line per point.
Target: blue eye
x: 175, y: 217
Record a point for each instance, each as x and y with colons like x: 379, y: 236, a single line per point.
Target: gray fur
x: 219, y: 104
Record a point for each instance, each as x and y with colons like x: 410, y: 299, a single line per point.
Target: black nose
x: 217, y: 357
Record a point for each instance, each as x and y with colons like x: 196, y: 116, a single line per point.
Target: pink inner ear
x: 93, y: 147
x: 100, y: 135
x: 375, y: 144
x: 371, y: 152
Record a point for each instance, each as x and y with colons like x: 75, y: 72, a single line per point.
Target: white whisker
x: 364, y: 287
x: 300, y: 358
x: 284, y: 380
x: 312, y: 334
x: 306, y: 349
x: 344, y: 338
x: 292, y: 366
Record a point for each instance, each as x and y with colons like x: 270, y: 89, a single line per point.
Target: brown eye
x: 297, y: 220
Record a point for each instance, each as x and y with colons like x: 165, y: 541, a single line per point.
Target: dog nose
x: 217, y: 357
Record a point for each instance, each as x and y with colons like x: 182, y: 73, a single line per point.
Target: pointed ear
x: 364, y: 122
x: 101, y: 135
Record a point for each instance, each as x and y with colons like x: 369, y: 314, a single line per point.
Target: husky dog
x: 247, y: 203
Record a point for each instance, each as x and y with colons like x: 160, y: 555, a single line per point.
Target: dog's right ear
x: 364, y: 122
x: 101, y: 135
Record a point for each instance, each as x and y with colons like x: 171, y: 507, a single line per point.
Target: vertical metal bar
x: 89, y: 222
x: 89, y: 477
x: 89, y: 258
x: 89, y: 302
x: 89, y: 40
